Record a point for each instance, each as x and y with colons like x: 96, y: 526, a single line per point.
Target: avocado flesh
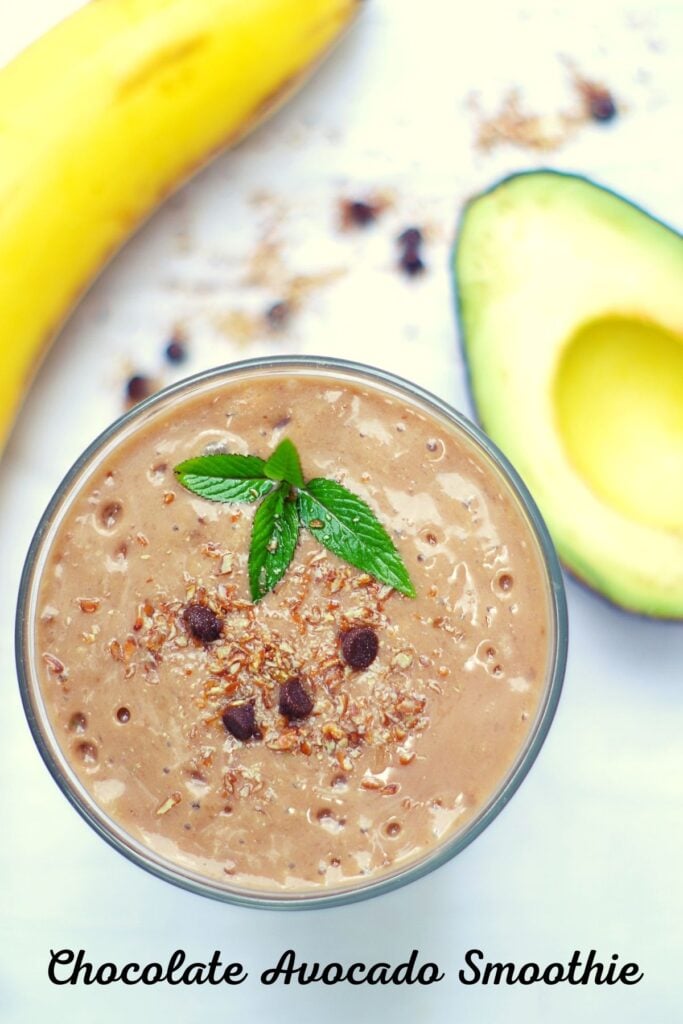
x: 571, y: 307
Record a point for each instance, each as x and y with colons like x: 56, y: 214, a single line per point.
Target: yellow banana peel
x: 104, y: 116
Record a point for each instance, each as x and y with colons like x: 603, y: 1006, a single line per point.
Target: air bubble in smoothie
x: 78, y: 722
x: 87, y: 754
x: 505, y: 582
x: 110, y: 514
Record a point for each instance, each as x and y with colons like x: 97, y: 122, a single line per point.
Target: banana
x: 104, y: 116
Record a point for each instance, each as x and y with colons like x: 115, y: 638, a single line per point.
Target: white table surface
x: 590, y: 852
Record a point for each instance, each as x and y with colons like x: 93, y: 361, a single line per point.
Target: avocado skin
x: 574, y: 564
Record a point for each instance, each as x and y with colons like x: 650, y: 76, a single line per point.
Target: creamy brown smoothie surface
x: 392, y: 759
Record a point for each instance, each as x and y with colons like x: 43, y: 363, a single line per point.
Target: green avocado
x: 571, y: 308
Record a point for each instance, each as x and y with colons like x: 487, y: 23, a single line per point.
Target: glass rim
x: 134, y: 850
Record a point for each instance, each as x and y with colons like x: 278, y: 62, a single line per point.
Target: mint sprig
x: 340, y: 520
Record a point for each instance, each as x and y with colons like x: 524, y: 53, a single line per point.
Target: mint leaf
x: 284, y: 464
x: 225, y: 477
x: 274, y: 534
x: 345, y: 525
x: 340, y: 520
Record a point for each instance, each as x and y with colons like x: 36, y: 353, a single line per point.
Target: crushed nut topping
x: 54, y: 664
x: 384, y: 707
x: 169, y: 803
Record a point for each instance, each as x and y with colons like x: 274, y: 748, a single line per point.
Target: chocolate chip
x: 138, y: 387
x: 202, y: 622
x: 240, y: 721
x: 294, y: 701
x: 358, y: 214
x: 411, y: 238
x: 411, y: 263
x: 176, y: 351
x: 359, y: 646
x: 601, y: 106
x: 278, y: 314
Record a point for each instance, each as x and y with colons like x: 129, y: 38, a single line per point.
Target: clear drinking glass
x: 330, y: 371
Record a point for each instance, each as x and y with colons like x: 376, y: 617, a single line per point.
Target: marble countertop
x: 415, y: 107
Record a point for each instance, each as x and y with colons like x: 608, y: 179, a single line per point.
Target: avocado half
x: 571, y: 307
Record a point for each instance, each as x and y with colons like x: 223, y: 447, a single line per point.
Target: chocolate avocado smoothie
x: 336, y: 730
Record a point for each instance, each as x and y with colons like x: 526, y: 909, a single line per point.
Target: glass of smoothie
x: 336, y: 738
